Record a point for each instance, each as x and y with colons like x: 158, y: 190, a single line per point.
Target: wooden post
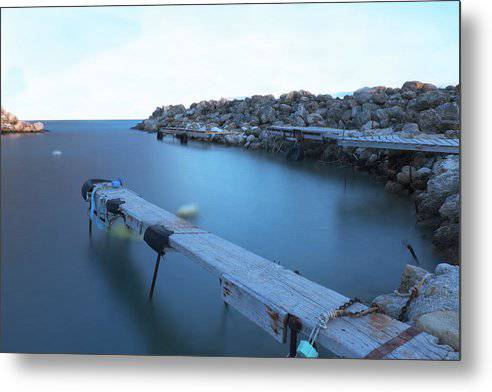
x: 156, y: 269
x: 295, y: 327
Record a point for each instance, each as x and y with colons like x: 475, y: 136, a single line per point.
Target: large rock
x: 444, y: 324
x: 393, y: 187
x: 447, y: 236
x: 440, y: 291
x: 410, y: 128
x: 444, y: 184
x: 421, y: 177
x: 416, y: 86
x: 10, y: 123
x: 390, y: 304
x: 314, y: 119
x: 38, y: 126
x: 267, y: 115
x: 429, y: 100
x: 449, y: 115
x: 407, y: 175
x: 450, y: 209
x: 360, y: 116
x: 429, y: 121
x: 435, y: 309
x: 410, y: 277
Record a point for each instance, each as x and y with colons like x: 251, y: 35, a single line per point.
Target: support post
x: 156, y: 269
x: 295, y: 327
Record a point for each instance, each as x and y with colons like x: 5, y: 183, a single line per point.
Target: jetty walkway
x: 279, y: 301
x: 352, y: 138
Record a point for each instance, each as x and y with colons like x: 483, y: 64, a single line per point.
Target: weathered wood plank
x: 266, y: 293
x: 346, y: 138
x: 255, y: 307
x: 374, y: 143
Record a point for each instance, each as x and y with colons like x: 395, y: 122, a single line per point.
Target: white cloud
x: 181, y: 60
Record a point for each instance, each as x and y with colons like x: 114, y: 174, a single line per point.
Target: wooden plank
x: 263, y: 291
x: 255, y: 307
x: 371, y: 143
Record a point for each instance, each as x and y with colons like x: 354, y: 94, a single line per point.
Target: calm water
x: 63, y: 293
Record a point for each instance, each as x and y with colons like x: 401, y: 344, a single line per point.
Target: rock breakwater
x: 435, y: 309
x: 413, y: 110
x: 11, y: 124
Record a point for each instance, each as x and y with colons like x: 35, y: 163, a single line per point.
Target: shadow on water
x: 112, y: 258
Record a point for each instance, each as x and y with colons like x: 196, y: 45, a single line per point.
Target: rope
x: 92, y: 210
x: 417, y: 286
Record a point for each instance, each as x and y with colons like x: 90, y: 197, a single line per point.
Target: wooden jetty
x: 352, y: 138
x: 309, y: 133
x: 396, y: 142
x: 192, y: 133
x: 268, y: 294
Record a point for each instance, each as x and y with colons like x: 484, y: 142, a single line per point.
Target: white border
x: 116, y: 373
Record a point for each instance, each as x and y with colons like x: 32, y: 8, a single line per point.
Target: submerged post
x: 156, y: 269
x: 157, y: 237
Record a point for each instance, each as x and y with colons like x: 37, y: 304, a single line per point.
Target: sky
x: 123, y: 62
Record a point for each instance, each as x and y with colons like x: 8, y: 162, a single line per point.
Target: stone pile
x: 11, y: 124
x: 415, y: 107
x: 412, y: 110
x: 436, y: 308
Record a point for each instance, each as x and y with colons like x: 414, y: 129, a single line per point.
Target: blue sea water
x: 63, y: 292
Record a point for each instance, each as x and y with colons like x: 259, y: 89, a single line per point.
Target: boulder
x: 234, y: 139
x: 38, y: 126
x: 447, y: 236
x: 450, y: 209
x: 19, y: 126
x: 429, y: 121
x: 435, y: 310
x: 440, y: 291
x: 411, y: 276
x: 390, y: 304
x: 408, y: 94
x: 416, y: 86
x: 410, y: 128
x: 314, y: 119
x: 444, y: 324
x: 407, y: 175
x: 421, y: 177
x: 449, y: 114
x: 393, y: 187
x: 429, y: 100
x: 444, y: 184
x: 267, y: 115
x: 360, y: 116
x: 363, y: 94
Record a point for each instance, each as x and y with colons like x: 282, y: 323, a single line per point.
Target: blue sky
x: 122, y: 62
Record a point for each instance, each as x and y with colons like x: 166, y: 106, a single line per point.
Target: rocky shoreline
x: 11, y: 124
x: 417, y: 108
x: 436, y: 306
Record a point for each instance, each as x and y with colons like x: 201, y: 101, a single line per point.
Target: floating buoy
x: 121, y: 232
x: 188, y: 210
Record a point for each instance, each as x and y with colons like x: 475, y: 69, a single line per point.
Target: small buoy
x: 188, y: 210
x: 56, y: 152
x: 121, y: 232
